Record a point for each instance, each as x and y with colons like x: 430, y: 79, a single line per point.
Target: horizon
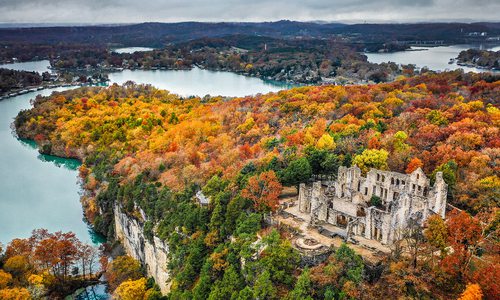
x: 174, y: 11
x: 319, y: 22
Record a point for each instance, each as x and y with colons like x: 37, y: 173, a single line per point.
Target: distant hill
x: 159, y: 34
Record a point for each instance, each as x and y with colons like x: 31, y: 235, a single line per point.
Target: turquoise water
x: 37, y: 191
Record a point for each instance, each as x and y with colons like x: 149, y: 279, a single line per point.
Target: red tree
x: 263, y: 190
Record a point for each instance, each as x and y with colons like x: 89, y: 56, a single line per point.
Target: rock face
x: 153, y: 255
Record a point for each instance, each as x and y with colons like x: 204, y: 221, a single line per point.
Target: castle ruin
x: 348, y: 202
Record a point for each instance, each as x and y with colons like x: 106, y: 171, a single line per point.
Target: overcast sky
x: 133, y: 11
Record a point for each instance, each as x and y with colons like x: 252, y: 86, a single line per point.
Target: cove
x: 39, y: 66
x: 434, y: 58
x: 37, y: 191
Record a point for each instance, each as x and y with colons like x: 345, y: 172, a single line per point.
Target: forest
x: 11, y: 80
x: 150, y: 151
x: 153, y: 34
x: 304, y: 60
x: 53, y: 265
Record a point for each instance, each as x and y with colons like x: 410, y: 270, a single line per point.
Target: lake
x: 199, y: 82
x: 434, y: 58
x: 37, y: 191
x: 30, y: 66
x: 132, y: 49
x: 41, y: 191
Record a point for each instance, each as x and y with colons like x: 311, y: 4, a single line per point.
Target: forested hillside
x: 149, y: 150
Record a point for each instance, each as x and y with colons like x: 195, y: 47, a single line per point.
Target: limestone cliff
x: 153, y: 255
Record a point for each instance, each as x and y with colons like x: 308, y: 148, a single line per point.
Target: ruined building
x: 378, y: 206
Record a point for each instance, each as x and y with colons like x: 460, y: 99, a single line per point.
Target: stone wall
x: 346, y: 201
x: 152, y: 254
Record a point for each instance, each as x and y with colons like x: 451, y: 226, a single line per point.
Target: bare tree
x: 414, y: 238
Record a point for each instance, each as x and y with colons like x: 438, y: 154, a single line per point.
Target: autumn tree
x: 131, y: 290
x: 5, y: 279
x: 88, y: 257
x: 57, y: 253
x: 264, y: 190
x: 344, y: 268
x: 371, y: 158
x: 15, y: 294
x: 464, y: 236
x: 414, y: 164
x: 436, y: 235
x: 472, y: 292
x: 326, y: 142
x: 121, y: 269
x: 17, y: 265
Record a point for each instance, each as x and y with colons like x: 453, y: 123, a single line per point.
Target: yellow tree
x: 131, y: 290
x: 371, y: 158
x: 326, y: 142
x: 5, y: 279
x: 472, y: 292
x: 15, y: 294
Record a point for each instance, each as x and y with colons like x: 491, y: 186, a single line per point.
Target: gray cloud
x: 132, y: 11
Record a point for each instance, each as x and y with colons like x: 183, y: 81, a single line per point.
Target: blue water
x: 434, y: 58
x: 39, y: 66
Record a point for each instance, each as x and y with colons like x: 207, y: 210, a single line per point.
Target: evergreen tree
x: 263, y: 288
x: 298, y: 171
x: 303, y: 287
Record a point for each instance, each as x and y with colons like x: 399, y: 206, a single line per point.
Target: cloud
x: 133, y: 11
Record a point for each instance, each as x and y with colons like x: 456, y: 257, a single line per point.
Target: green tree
x: 303, y: 287
x: 202, y: 288
x: 352, y: 269
x: 246, y: 294
x: 280, y: 258
x: 248, y: 224
x: 331, y: 164
x: 436, y: 233
x: 228, y: 287
x: 217, y: 218
x: 316, y: 157
x: 263, y: 287
x: 298, y: 171
x: 329, y: 293
x: 375, y: 201
x: 449, y: 170
x: 214, y: 186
